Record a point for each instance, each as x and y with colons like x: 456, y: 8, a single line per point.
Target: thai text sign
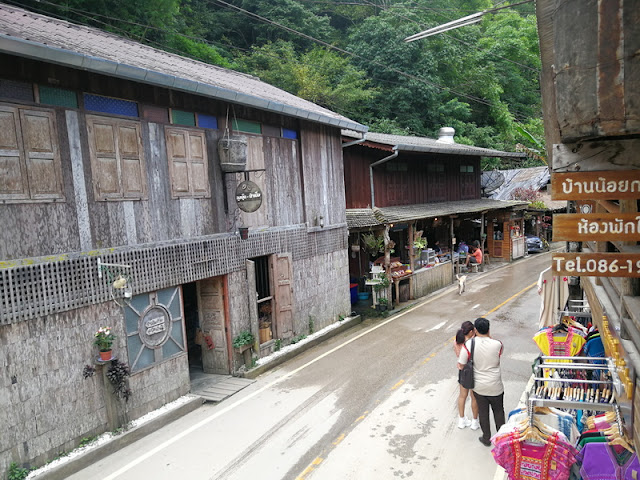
x: 609, y: 185
x: 596, y: 264
x: 579, y: 227
x: 248, y: 196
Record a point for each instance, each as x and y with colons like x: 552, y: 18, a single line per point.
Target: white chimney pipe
x: 445, y: 135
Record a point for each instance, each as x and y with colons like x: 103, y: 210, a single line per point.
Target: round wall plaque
x: 248, y: 196
x: 154, y: 326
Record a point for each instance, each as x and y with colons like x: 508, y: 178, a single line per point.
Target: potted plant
x: 242, y: 344
x: 104, y: 339
x: 383, y: 303
x: 243, y: 341
x: 383, y: 282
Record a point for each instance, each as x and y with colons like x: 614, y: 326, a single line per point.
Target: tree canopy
x: 351, y: 57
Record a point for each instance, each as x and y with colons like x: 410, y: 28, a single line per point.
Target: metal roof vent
x: 445, y: 135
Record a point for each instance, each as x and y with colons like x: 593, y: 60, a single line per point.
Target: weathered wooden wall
x: 418, y: 184
x: 323, y: 175
x: 593, y: 90
x: 301, y: 179
x: 431, y: 279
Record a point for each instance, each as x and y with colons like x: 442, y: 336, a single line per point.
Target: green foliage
x: 373, y: 244
x: 87, y: 441
x: 295, y: 340
x: 312, y: 324
x: 278, y: 344
x: 538, y: 205
x: 383, y: 282
x: 244, y: 338
x: 16, y: 472
x: 383, y: 301
x: 482, y: 79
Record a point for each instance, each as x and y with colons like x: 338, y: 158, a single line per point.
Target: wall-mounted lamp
x: 321, y: 221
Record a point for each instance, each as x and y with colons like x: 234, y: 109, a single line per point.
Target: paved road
x: 376, y: 402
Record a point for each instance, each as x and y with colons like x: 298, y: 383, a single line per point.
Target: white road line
x: 436, y: 327
x: 230, y: 407
x: 475, y: 306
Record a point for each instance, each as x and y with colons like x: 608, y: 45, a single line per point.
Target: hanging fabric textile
x: 554, y: 293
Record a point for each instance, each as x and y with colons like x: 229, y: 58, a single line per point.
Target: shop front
x: 505, y: 236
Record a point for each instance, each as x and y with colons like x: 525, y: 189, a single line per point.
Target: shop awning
x: 371, y: 217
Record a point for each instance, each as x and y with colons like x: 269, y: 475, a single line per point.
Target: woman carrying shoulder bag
x: 465, y: 333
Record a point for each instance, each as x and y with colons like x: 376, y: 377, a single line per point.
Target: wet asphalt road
x: 376, y: 402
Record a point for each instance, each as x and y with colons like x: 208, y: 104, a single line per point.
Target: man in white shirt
x: 488, y: 388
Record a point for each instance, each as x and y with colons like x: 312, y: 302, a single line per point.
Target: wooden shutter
x: 42, y: 156
x: 131, y: 160
x: 188, y: 167
x: 117, y: 158
x: 13, y: 173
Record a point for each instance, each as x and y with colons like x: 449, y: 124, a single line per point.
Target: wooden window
x: 188, y: 168
x: 29, y: 155
x: 117, y: 159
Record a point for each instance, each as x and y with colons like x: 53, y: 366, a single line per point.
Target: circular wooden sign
x: 248, y: 196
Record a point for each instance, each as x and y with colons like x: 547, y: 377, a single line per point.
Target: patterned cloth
x: 600, y: 461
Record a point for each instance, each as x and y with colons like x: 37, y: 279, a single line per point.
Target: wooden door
x: 253, y: 305
x: 283, y: 295
x: 213, y: 324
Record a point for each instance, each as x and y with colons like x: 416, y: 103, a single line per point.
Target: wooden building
x: 397, y: 186
x: 591, y: 99
x: 179, y: 203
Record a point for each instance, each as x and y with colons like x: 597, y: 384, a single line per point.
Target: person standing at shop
x: 488, y: 389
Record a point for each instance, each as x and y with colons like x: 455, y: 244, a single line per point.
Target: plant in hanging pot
x: 104, y: 339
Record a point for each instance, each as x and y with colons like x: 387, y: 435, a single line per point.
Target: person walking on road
x: 488, y: 389
x: 466, y: 331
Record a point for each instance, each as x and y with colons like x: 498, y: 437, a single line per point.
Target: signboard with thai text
x: 603, y: 185
x: 579, y: 227
x: 596, y: 264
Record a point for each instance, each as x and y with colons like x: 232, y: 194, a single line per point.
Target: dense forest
x: 350, y: 56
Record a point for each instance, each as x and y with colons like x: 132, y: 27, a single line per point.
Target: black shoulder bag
x: 465, y: 376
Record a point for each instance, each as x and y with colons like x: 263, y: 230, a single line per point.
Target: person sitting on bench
x: 475, y: 256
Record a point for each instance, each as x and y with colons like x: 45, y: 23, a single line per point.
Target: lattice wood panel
x: 44, y: 288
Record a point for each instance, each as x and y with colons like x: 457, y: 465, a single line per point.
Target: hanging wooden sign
x: 248, y: 196
x: 580, y: 227
x: 602, y: 185
x: 596, y: 264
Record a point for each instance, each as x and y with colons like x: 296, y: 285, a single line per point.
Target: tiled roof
x: 31, y: 35
x: 367, y: 217
x: 429, y: 145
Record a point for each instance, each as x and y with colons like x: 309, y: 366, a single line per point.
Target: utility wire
x: 90, y: 16
x: 387, y: 67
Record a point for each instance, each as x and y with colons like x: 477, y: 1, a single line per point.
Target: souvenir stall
x: 575, y: 423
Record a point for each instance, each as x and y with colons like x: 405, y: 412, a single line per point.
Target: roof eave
x: 457, y: 151
x: 37, y: 51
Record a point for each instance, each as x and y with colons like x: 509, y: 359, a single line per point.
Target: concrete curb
x: 74, y: 465
x: 347, y: 323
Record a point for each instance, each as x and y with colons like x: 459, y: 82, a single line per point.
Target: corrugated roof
x: 367, y: 217
x: 39, y: 37
x: 535, y: 178
x: 430, y: 145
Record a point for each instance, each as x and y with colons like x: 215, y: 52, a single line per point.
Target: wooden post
x: 451, y: 236
x: 387, y: 263
x: 411, y: 235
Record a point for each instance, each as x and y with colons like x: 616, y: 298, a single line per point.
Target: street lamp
x: 461, y: 22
